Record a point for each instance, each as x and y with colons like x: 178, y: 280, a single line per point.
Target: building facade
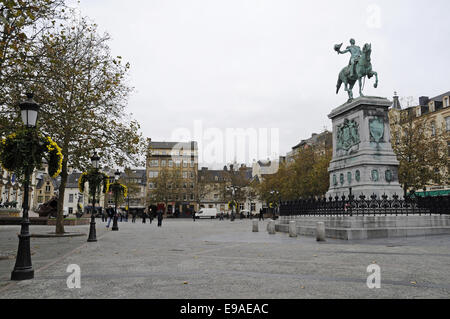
x: 435, y: 111
x: 178, y: 161
x: 321, y: 142
x: 213, y: 186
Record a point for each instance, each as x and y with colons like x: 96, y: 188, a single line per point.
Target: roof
x: 55, y: 181
x: 440, y: 98
x: 136, y: 173
x: 210, y: 175
x: 314, y: 139
x: 171, y: 145
x: 222, y: 175
x: 264, y: 163
x: 72, y: 180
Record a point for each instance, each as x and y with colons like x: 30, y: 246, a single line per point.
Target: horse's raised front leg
x: 376, y: 79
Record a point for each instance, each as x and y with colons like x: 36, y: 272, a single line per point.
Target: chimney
x: 423, y: 100
x: 396, y: 105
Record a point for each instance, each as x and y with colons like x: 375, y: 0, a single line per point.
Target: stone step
x: 374, y: 221
x: 368, y: 233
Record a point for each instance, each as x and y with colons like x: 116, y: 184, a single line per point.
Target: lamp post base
x: 92, y: 232
x: 23, y: 269
x: 24, y: 274
x: 115, y: 225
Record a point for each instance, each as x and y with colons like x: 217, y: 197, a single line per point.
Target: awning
x: 445, y: 192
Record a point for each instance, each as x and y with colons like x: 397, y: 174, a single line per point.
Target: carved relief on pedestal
x: 348, y: 139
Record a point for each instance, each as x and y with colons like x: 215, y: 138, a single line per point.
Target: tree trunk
x: 62, y: 189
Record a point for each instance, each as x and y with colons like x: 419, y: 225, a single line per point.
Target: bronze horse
x: 363, y: 69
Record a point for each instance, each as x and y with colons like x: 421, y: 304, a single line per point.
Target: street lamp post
x: 128, y: 207
x: 95, y: 160
x: 233, y: 190
x: 23, y: 269
x: 275, y: 194
x: 115, y: 193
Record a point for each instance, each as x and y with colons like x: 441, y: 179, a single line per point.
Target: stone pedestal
x: 363, y: 158
x: 320, y: 231
x: 271, y: 227
x: 255, y: 226
x: 292, y: 228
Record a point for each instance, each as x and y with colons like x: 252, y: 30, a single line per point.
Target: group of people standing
x: 150, y: 215
x: 109, y: 213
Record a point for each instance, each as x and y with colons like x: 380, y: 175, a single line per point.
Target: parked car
x: 207, y: 213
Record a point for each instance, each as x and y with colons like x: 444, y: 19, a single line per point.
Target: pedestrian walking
x: 193, y: 214
x: 144, y: 216
x: 261, y: 214
x: 110, y: 213
x: 160, y: 218
x: 221, y: 216
x: 150, y: 215
x: 133, y: 216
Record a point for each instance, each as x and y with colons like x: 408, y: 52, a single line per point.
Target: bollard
x: 292, y: 228
x: 320, y: 231
x: 271, y: 227
x: 255, y: 226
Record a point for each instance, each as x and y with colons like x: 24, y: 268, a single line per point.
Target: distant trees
x: 167, y: 186
x: 236, y: 186
x: 306, y: 177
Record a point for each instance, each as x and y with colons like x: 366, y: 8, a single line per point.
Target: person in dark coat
x: 193, y: 215
x: 261, y: 214
x: 144, y: 216
x: 133, y: 215
x: 160, y: 218
x: 150, y: 215
x: 110, y: 212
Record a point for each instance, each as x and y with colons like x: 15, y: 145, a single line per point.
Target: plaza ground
x: 222, y: 259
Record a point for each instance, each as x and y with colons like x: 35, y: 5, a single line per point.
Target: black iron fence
x: 362, y: 206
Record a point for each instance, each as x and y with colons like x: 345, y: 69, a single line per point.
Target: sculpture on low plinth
x: 359, y: 67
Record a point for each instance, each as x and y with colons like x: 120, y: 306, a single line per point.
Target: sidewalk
x: 222, y: 259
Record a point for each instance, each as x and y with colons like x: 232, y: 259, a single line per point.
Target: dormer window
x: 431, y: 106
x: 418, y: 111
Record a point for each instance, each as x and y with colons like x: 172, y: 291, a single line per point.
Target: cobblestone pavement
x: 222, y: 259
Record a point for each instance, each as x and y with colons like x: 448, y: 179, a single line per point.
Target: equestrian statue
x: 358, y: 68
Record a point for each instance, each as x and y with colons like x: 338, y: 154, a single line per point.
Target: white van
x: 207, y: 213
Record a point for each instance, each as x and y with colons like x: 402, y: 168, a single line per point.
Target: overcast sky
x: 267, y: 63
